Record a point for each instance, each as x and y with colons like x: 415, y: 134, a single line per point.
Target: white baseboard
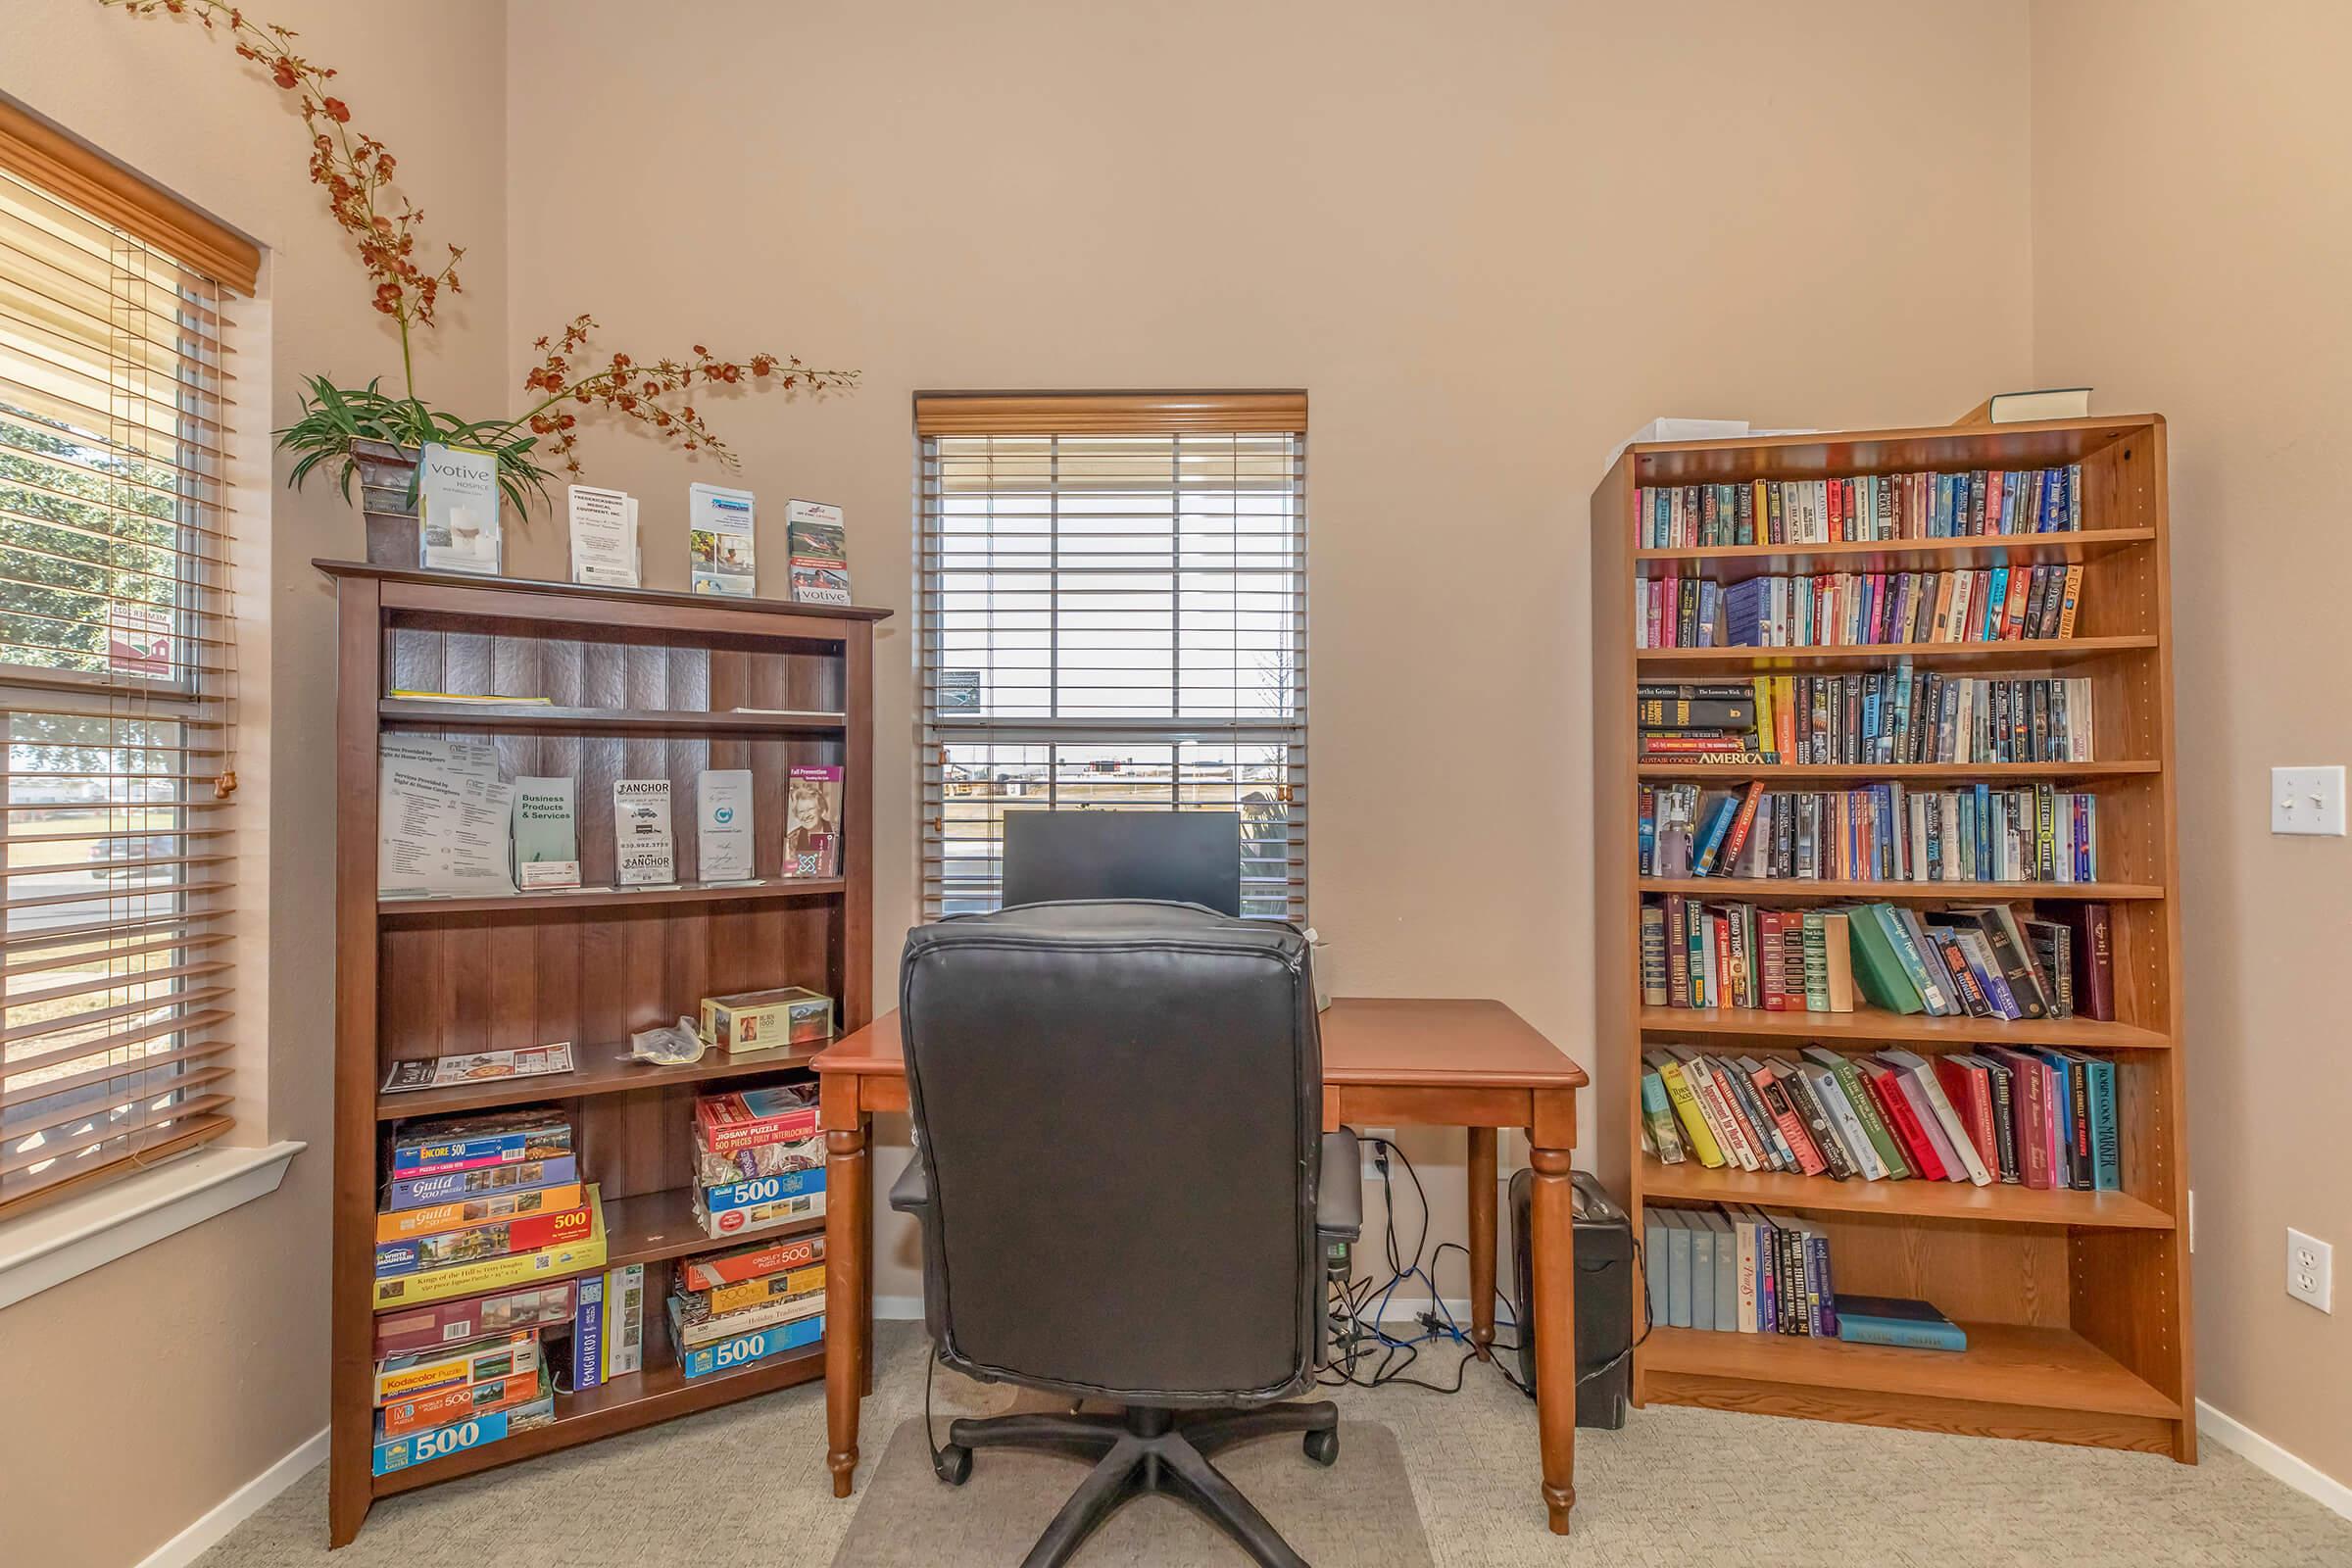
x: 2267, y: 1456
x: 238, y: 1506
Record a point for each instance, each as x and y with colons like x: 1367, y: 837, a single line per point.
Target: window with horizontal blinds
x: 116, y: 679
x: 1113, y: 617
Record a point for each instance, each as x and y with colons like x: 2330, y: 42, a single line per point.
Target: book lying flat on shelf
x: 477, y: 1066
x: 643, y: 853
x: 1897, y: 1321
x: 719, y: 529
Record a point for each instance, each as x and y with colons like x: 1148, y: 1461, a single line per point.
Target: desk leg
x: 1482, y: 1241
x: 849, y: 1240
x: 1553, y: 1220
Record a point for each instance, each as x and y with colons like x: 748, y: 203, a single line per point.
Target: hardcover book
x: 1897, y: 1321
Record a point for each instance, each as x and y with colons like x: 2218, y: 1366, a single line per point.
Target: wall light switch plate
x: 2310, y: 1270
x: 2307, y: 800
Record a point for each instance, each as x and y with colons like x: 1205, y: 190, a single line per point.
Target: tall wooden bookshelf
x: 2076, y: 1304
x: 639, y: 684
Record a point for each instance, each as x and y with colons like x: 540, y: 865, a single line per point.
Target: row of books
x: 760, y: 1160
x: 1881, y: 718
x: 1870, y: 833
x: 1737, y: 1269
x: 1865, y: 507
x: 2040, y: 1117
x: 1859, y: 609
x: 1975, y: 960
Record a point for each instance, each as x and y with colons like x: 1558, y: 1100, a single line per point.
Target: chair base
x: 1149, y: 1450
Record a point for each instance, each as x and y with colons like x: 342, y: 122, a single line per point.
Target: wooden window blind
x: 1113, y: 617
x: 116, y: 691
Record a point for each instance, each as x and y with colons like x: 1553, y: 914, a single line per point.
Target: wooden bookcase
x: 2076, y: 1304
x: 641, y: 684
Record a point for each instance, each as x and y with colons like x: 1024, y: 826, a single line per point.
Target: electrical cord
x: 1350, y: 1302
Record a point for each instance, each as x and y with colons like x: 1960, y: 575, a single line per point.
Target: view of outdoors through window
x: 1114, y: 622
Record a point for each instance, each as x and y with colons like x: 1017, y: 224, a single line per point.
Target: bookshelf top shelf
x: 587, y: 597
x: 604, y: 1069
x: 550, y: 716
x: 413, y: 905
x: 1691, y: 1182
x: 2038, y: 444
x: 2004, y: 1363
x: 1679, y: 664
x: 1736, y: 562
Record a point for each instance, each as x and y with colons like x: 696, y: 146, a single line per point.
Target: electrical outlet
x: 2307, y: 800
x: 2310, y: 1270
x: 1370, y: 1151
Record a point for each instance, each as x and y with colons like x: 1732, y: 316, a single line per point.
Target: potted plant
x: 371, y: 437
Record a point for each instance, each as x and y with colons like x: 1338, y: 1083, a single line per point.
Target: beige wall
x: 1490, y: 240
x: 135, y: 1398
x: 2192, y: 210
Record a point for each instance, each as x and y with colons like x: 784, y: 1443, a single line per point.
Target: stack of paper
x: 443, y: 819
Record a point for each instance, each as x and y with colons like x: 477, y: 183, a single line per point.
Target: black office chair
x: 1125, y: 1192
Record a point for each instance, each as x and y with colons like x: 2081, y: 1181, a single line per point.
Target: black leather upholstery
x: 1118, y: 1111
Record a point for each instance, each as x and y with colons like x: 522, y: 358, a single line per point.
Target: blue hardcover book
x: 1893, y: 1320
x: 1825, y: 1300
x: 417, y: 1192
x: 1710, y: 840
x: 745, y: 1348
x: 1710, y: 612
x: 1983, y: 833
x: 1650, y: 836
x: 2106, y: 1137
x: 757, y: 1190
x: 1748, y: 613
x: 1676, y: 1268
x: 1702, y: 1271
x: 2062, y: 1104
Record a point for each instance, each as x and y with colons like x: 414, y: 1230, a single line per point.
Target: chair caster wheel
x: 953, y: 1464
x: 1323, y: 1446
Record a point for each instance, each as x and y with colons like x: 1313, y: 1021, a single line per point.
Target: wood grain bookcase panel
x: 2077, y: 1304
x: 637, y: 684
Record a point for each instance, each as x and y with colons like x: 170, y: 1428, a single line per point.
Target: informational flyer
x: 443, y: 817
x: 604, y: 537
x: 456, y: 509
x: 720, y: 526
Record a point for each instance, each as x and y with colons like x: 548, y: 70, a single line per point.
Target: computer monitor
x: 1188, y: 856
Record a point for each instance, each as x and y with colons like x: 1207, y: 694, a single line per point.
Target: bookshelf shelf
x: 2064, y: 653
x: 548, y: 716
x: 624, y: 1404
x: 1692, y: 1182
x: 1797, y: 775
x: 604, y: 1069
x: 2050, y: 1368
x: 635, y: 684
x: 2076, y: 1303
x: 1782, y: 890
x: 1733, y: 563
x: 410, y: 906
x: 1871, y: 1025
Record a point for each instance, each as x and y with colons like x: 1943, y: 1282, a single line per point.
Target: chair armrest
x: 1340, y: 1188
x: 911, y: 1193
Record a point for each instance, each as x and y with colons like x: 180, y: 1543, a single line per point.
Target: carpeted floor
x: 1676, y: 1487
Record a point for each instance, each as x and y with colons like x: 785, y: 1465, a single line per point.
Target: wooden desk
x: 1446, y: 1064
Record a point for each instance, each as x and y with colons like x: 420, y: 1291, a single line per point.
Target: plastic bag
x: 673, y: 1044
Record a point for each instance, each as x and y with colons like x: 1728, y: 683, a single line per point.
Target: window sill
x: 52, y: 1246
